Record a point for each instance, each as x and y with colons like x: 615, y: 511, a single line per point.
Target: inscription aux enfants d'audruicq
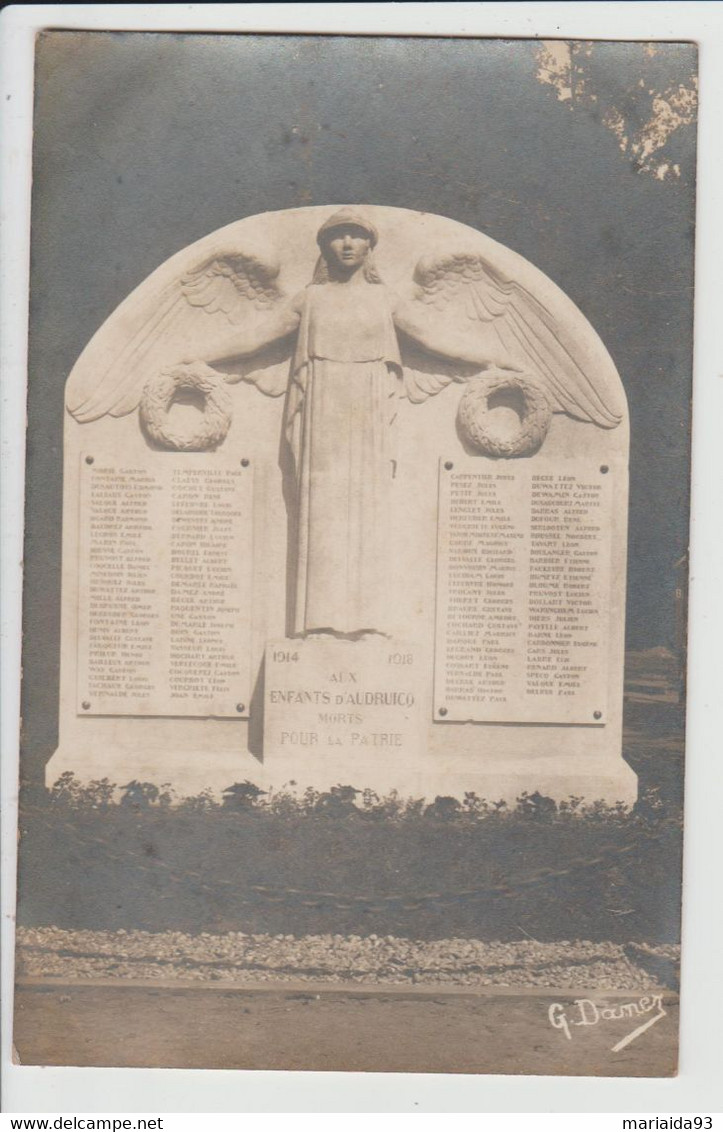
x: 363, y: 695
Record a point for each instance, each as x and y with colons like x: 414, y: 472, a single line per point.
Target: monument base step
x: 500, y: 779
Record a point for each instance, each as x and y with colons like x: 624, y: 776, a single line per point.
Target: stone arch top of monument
x: 470, y: 303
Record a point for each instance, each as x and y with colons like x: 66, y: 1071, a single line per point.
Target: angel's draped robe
x: 339, y: 415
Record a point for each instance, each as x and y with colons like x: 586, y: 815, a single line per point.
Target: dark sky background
x: 144, y: 143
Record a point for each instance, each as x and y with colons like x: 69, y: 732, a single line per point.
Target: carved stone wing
x: 470, y: 310
x: 424, y: 374
x: 187, y: 314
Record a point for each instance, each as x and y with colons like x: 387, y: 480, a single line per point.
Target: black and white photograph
x: 356, y: 553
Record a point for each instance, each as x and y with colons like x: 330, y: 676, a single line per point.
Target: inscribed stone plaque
x: 523, y: 591
x: 326, y: 696
x: 164, y: 594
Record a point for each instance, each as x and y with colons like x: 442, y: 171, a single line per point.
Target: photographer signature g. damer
x: 585, y: 1012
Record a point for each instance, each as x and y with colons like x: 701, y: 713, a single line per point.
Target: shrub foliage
x: 347, y: 861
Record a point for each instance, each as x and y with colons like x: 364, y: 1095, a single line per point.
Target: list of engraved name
x: 204, y: 607
x: 161, y: 607
x: 123, y: 599
x: 523, y: 606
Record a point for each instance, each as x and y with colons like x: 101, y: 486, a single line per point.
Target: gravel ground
x: 378, y: 960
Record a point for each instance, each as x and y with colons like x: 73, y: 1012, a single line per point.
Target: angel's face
x: 347, y: 247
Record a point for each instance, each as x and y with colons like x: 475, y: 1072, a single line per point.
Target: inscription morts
x: 164, y: 587
x: 523, y: 592
x: 324, y: 695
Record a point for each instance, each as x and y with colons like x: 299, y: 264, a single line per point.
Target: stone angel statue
x: 353, y: 347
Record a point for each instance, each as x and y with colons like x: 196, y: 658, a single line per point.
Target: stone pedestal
x: 352, y: 711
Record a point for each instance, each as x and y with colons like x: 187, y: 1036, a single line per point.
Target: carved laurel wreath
x: 474, y: 416
x: 160, y: 393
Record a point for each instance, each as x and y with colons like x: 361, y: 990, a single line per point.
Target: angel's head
x: 346, y: 241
